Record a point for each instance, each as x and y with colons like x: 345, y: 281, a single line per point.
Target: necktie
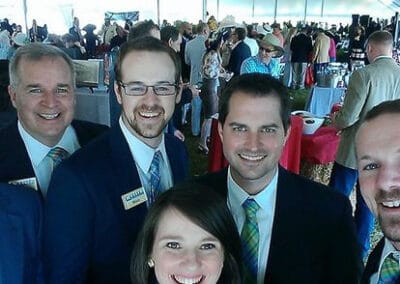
x: 57, y: 155
x: 390, y: 271
x: 155, y: 176
x: 250, y: 241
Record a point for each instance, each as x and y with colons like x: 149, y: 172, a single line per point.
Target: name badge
x: 29, y: 182
x: 134, y: 198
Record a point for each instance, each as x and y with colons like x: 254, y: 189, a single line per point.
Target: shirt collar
x: 264, y: 198
x: 38, y: 151
x: 141, y: 152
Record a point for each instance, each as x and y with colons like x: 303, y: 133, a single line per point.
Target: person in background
x: 301, y: 47
x: 101, y: 194
x: 286, y: 222
x: 321, y: 48
x: 119, y: 39
x: 170, y: 36
x: 287, y: 57
x: 378, y: 159
x: 240, y: 51
x: 250, y: 41
x: 42, y: 90
x: 92, y: 41
x: 146, y: 27
x: 211, y: 71
x: 190, y: 236
x: 76, y: 32
x: 266, y: 61
x: 357, y: 49
x: 194, y: 53
x: 332, y: 47
x: 277, y: 32
x: 368, y: 86
x: 36, y: 32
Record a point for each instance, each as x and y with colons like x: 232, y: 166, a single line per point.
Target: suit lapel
x: 373, y: 262
x: 284, y: 224
x: 18, y: 160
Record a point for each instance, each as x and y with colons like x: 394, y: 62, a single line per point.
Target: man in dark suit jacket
x: 42, y: 82
x: 20, y: 239
x: 240, y: 51
x: 306, y: 233
x: 36, y: 33
x: 377, y: 148
x: 98, y: 198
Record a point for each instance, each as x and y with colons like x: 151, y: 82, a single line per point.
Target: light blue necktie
x: 250, y: 237
x: 155, y: 177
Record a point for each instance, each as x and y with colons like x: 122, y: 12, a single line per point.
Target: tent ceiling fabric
x: 62, y: 11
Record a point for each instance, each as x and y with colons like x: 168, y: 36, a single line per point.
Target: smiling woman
x: 188, y: 236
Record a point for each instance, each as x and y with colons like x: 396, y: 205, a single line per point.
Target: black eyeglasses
x: 136, y: 89
x: 266, y: 49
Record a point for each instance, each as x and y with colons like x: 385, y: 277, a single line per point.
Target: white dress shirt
x: 37, y: 151
x: 143, y: 156
x: 387, y: 249
x: 266, y: 199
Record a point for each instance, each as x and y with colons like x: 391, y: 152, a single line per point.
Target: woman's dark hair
x: 205, y: 208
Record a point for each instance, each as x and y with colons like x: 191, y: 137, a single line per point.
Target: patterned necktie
x: 57, y: 155
x: 390, y: 270
x: 155, y: 177
x: 250, y: 241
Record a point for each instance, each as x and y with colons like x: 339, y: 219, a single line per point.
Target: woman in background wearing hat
x: 267, y: 59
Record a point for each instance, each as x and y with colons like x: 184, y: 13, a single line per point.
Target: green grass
x: 198, y: 162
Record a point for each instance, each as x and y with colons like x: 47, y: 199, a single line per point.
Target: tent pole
x: 158, y: 13
x: 305, y: 11
x: 275, y: 10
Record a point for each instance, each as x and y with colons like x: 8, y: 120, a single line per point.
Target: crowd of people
x: 85, y: 203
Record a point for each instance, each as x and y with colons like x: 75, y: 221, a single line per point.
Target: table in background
x: 318, y: 152
x: 321, y: 100
x: 93, y: 107
x: 290, y: 158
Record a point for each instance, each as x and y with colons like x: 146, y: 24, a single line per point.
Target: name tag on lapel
x: 134, y: 198
x: 29, y: 182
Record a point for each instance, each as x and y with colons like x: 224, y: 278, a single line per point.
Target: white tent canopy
x: 58, y: 14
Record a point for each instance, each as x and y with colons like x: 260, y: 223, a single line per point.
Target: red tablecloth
x: 320, y: 147
x: 291, y: 153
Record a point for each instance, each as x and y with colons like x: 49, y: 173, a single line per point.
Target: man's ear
x: 287, y: 135
x: 13, y: 95
x: 220, y: 131
x: 178, y: 93
x: 117, y: 90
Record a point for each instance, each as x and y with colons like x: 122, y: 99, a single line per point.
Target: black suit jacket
x: 373, y: 263
x: 313, y: 236
x: 15, y: 163
x: 238, y: 55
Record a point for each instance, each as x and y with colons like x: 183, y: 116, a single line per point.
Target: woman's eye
x: 173, y: 245
x: 371, y: 166
x: 207, y: 246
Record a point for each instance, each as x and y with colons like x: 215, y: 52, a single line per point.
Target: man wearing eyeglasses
x: 97, y: 201
x: 266, y: 61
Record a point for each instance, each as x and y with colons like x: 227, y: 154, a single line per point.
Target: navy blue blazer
x: 238, y: 55
x: 313, y: 235
x: 20, y: 235
x: 373, y: 263
x: 14, y: 159
x: 89, y: 236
